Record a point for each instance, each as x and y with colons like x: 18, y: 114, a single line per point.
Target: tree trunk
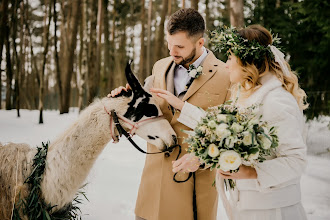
x: 169, y: 11
x: 92, y: 75
x: 9, y: 71
x: 183, y: 3
x: 142, y: 71
x: 82, y: 59
x: 56, y: 57
x: 45, y: 46
x: 99, y: 72
x: 3, y: 25
x: 194, y: 4
x: 107, y: 58
x: 160, y: 36
x: 69, y: 29
x: 149, y: 39
x: 236, y: 13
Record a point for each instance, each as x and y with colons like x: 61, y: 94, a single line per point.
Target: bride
x: 269, y: 190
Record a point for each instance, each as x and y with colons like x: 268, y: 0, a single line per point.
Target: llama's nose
x: 174, y: 139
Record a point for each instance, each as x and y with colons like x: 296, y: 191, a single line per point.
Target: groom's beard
x: 189, y: 58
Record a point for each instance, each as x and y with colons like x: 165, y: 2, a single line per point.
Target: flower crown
x: 226, y: 38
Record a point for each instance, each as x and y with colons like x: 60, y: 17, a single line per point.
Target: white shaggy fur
x: 70, y: 156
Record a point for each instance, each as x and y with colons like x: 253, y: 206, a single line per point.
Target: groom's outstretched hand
x: 187, y: 163
x: 118, y: 90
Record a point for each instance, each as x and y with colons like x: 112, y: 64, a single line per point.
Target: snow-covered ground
x: 114, y: 180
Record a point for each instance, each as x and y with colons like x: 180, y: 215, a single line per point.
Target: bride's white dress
x: 275, y: 194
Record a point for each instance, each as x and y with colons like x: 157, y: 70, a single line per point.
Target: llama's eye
x: 151, y: 137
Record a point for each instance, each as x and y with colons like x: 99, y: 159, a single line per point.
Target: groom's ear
x: 132, y: 80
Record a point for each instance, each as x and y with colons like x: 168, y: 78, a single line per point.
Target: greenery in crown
x: 226, y: 39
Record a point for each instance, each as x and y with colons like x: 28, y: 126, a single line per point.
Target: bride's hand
x: 187, y: 163
x: 174, y: 101
x: 244, y: 172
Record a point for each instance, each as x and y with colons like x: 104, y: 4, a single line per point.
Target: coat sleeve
x: 290, y: 161
x: 190, y: 115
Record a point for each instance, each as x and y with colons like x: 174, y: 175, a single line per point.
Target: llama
x: 71, y: 156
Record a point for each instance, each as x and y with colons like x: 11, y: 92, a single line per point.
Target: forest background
x: 57, y: 54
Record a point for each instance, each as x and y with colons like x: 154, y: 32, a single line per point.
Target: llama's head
x: 142, y: 108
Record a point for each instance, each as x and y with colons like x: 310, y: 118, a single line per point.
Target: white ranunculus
x: 266, y: 143
x: 229, y: 160
x: 222, y: 131
x: 212, y: 124
x: 193, y: 73
x: 237, y: 127
x: 199, y: 69
x: 213, y: 150
x: 222, y: 117
x: 247, y: 139
x: 253, y: 156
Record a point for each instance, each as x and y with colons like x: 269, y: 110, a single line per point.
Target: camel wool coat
x: 159, y: 197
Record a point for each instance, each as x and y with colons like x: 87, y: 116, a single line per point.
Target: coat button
x: 210, y: 71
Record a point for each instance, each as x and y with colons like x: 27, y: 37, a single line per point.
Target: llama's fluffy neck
x: 72, y: 155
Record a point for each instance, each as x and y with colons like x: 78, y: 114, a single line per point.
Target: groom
x: 159, y: 197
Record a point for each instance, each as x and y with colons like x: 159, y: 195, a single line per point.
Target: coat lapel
x: 208, y: 71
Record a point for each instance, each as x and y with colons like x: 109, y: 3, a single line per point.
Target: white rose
x: 213, y: 150
x: 193, y: 73
x: 266, y: 143
x: 247, y: 140
x: 229, y: 160
x: 212, y: 124
x: 222, y: 117
x: 237, y: 127
x: 199, y: 69
x: 222, y: 131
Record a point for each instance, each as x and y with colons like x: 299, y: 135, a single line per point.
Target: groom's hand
x: 187, y: 163
x: 118, y: 90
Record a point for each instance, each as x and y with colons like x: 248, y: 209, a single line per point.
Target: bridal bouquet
x: 229, y: 136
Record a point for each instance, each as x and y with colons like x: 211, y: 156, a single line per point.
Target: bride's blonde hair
x: 253, y: 71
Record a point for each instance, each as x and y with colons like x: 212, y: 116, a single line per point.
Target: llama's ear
x: 132, y: 80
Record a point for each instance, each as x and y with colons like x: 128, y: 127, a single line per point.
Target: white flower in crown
x: 195, y: 72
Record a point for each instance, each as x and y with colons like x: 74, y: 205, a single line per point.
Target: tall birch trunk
x: 236, y: 13
x: 160, y: 36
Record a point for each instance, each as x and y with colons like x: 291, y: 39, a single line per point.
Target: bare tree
x: 142, y: 71
x: 183, y: 3
x: 82, y: 59
x: 3, y: 24
x: 194, y: 4
x: 92, y: 74
x: 69, y: 29
x: 45, y: 42
x: 160, y: 37
x: 236, y: 13
x: 9, y: 71
x: 149, y: 38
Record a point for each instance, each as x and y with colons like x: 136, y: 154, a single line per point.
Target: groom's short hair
x: 188, y: 20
